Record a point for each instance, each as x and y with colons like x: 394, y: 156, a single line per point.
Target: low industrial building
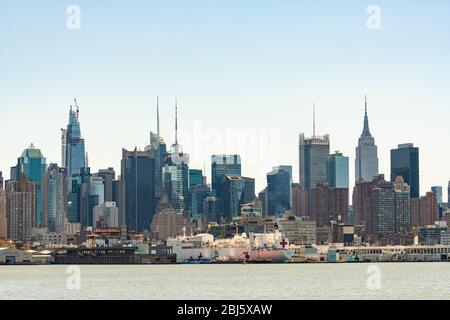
x: 15, y: 256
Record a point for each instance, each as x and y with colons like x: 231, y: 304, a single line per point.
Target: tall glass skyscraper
x: 158, y: 146
x: 223, y: 165
x: 195, y: 178
x: 138, y: 192
x: 405, y: 163
x: 54, y: 191
x: 176, y: 173
x: 313, y: 157
x: 232, y: 187
x: 73, y: 150
x: 337, y: 170
x: 366, y: 162
x: 33, y: 165
x: 279, y: 190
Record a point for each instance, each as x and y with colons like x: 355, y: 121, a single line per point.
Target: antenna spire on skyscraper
x: 77, y: 107
x: 157, y: 115
x: 314, y: 119
x: 366, y: 104
x: 176, y: 121
x: 366, y: 130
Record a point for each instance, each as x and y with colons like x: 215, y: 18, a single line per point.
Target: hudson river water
x: 217, y: 282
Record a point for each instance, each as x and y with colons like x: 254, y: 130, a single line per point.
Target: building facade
x: 338, y: 171
x: 73, y: 149
x: 299, y: 201
x: 195, y: 178
x: 3, y: 220
x: 54, y: 192
x: 390, y: 215
x: 313, y: 157
x: 21, y: 200
x: 106, y: 215
x: 167, y: 224
x: 279, y: 192
x: 138, y: 193
x: 232, y: 189
x: 224, y: 165
x: 424, y: 210
x: 108, y: 176
x: 33, y: 165
x: 405, y: 163
x: 328, y: 204
x: 249, y: 190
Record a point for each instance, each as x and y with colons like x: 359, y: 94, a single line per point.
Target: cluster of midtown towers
x: 154, y: 179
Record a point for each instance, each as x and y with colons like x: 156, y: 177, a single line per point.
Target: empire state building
x: 366, y: 163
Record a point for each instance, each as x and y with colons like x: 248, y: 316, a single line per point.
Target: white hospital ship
x: 255, y: 247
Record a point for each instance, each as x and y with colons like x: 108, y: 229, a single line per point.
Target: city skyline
x: 282, y: 68
x: 207, y: 172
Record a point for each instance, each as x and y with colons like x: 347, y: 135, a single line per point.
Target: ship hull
x: 236, y: 254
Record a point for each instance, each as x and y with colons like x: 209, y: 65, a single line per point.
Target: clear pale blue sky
x: 236, y: 64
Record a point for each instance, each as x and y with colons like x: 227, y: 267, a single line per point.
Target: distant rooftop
x: 406, y: 145
x: 32, y: 152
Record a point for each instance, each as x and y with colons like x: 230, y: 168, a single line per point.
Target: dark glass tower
x: 249, y: 190
x: 138, y: 189
x: 195, y: 178
x: 313, y: 157
x: 222, y: 165
x: 232, y: 187
x: 279, y: 184
x: 314, y: 154
x: 405, y: 163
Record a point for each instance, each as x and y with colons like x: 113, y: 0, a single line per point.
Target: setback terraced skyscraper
x: 366, y: 163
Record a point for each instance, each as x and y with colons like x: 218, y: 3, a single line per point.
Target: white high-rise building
x: 366, y: 163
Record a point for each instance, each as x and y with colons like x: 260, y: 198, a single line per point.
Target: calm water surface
x: 285, y: 281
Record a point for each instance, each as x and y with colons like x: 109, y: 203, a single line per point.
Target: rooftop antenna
x: 157, y: 114
x: 314, y: 119
x: 86, y: 161
x: 76, y: 105
x: 366, y: 104
x: 176, y: 121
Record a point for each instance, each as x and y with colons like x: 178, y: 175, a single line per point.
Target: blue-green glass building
x: 74, y: 155
x: 222, y: 165
x: 338, y: 171
x: 33, y: 165
x: 195, y: 178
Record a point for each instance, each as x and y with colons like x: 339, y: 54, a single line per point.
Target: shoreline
x: 221, y: 263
